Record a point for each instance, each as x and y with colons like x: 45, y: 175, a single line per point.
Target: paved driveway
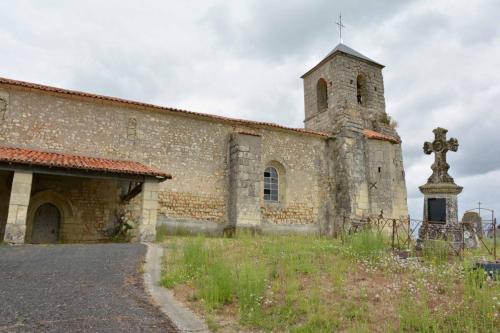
x: 76, y: 288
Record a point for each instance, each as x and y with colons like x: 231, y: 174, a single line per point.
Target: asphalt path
x: 76, y: 288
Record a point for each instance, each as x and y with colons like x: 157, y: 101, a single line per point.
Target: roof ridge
x: 42, y: 87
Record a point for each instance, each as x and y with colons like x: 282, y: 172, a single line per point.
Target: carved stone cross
x: 440, y: 147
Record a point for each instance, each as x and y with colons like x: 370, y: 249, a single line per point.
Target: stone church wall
x: 303, y: 159
x: 195, y: 150
x: 386, y: 181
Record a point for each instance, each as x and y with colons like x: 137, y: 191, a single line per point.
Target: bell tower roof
x: 344, y: 49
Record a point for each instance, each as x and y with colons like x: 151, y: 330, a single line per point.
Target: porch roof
x: 31, y: 157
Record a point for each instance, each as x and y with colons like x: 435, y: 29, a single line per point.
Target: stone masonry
x: 149, y: 211
x: 245, y: 180
x: 369, y: 174
x: 328, y: 171
x: 15, y: 229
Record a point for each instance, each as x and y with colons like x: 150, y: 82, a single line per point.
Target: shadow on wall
x: 5, y: 186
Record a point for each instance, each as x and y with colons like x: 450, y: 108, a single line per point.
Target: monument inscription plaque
x: 436, y: 210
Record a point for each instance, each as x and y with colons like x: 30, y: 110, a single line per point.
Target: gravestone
x: 440, y: 194
x: 475, y: 221
x: 473, y: 229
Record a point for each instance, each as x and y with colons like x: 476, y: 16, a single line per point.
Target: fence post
x: 408, y: 239
x: 463, y: 241
x: 495, y: 239
x: 342, y: 233
x: 393, y: 232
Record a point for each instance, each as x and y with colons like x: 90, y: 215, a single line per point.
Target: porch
x: 48, y: 197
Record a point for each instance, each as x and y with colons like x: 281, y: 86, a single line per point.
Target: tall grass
x: 161, y: 233
x: 367, y: 244
x: 415, y: 315
x: 251, y: 287
x: 217, y: 285
x: 436, y: 251
x: 303, y: 284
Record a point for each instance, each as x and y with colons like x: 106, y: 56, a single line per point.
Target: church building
x: 74, y: 165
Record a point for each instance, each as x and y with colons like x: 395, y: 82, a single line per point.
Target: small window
x: 322, y: 95
x: 271, y: 184
x: 379, y: 169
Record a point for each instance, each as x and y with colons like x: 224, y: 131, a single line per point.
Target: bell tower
x: 344, y: 96
x: 346, y: 88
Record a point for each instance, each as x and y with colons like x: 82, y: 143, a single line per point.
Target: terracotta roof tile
x: 41, y: 87
x: 68, y: 161
x: 379, y: 136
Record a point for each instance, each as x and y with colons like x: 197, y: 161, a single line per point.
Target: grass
x: 437, y: 251
x: 311, y: 284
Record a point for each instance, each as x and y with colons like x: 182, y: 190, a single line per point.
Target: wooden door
x: 46, y: 224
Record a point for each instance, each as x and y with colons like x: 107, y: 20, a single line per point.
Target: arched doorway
x: 46, y: 224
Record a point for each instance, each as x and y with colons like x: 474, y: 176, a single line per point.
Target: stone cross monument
x: 440, y: 147
x: 440, y: 193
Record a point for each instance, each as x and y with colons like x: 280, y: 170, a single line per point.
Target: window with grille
x: 271, y: 184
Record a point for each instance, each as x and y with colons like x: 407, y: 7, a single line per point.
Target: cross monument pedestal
x: 440, y: 194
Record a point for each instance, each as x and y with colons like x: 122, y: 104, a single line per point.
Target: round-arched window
x: 271, y: 184
x: 322, y: 95
x: 361, y: 89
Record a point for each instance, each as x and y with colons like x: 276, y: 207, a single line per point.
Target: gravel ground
x: 76, y: 288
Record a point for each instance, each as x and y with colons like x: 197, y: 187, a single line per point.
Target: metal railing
x: 403, y: 231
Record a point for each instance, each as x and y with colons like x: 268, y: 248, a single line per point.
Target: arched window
x: 322, y: 95
x: 271, y: 184
x: 361, y: 90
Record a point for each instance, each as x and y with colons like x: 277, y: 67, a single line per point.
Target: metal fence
x: 408, y: 234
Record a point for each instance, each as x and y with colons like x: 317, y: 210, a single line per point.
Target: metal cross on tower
x: 440, y: 147
x: 339, y: 23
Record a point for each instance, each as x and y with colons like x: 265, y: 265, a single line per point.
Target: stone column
x: 245, y: 176
x: 149, y: 210
x: 15, y: 229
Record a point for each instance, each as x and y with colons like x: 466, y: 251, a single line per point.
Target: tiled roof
x: 36, y: 86
x: 68, y: 161
x: 379, y: 136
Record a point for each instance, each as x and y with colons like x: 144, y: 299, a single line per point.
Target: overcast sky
x: 244, y: 59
